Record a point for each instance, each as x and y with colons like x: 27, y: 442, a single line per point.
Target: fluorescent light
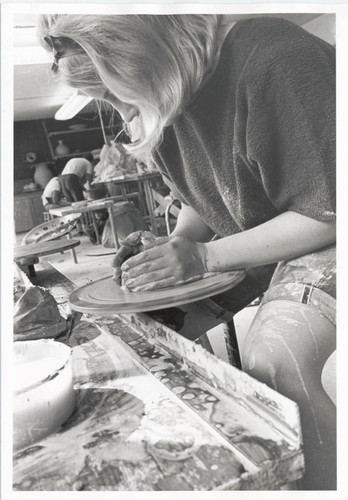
x: 72, y: 106
x: 31, y: 55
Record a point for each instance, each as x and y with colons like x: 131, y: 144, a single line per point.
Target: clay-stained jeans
x: 310, y: 280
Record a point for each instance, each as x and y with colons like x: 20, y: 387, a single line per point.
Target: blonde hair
x: 153, y: 62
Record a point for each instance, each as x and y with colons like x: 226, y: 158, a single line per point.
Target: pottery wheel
x: 104, y: 296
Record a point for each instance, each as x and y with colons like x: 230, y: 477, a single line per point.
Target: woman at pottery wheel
x: 240, y: 120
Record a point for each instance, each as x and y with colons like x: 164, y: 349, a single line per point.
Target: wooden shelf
x: 82, y: 130
x: 84, y: 139
x: 71, y: 155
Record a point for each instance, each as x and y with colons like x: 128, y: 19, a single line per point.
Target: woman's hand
x: 133, y: 244
x: 164, y: 262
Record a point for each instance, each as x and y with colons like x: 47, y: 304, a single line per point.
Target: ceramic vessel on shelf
x: 62, y: 148
x: 42, y: 174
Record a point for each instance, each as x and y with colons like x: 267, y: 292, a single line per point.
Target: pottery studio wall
x: 28, y: 137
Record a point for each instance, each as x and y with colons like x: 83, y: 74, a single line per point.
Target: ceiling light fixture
x: 73, y: 106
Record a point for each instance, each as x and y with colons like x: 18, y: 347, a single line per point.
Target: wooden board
x: 44, y: 248
x: 260, y: 422
x: 106, y: 297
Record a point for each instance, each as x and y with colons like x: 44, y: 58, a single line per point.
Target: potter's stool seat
x: 29, y: 254
x: 52, y: 230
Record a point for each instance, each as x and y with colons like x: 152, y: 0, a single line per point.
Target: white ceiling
x: 36, y: 94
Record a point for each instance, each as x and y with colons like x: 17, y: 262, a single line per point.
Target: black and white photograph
x: 168, y: 204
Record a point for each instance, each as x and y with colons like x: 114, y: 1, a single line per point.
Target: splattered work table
x: 155, y: 411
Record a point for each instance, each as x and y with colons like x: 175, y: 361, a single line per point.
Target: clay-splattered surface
x: 128, y: 432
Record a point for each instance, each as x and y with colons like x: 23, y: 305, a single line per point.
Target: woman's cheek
x: 135, y: 129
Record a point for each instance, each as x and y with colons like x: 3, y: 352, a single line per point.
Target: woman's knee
x: 288, y: 341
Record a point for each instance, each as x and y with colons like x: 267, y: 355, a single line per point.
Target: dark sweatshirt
x: 259, y: 138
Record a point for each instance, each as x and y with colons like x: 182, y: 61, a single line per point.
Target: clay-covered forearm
x: 191, y: 226
x: 285, y: 237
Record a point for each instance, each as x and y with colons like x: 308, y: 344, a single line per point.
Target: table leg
x: 28, y: 263
x: 124, y: 192
x: 31, y: 270
x: 73, y: 249
x: 112, y: 223
x: 233, y: 342
x: 94, y: 222
x: 141, y: 198
x: 150, y: 204
x: 203, y: 340
x: 227, y: 317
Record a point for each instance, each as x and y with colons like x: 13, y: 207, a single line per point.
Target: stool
x: 53, y: 229
x: 46, y: 216
x: 29, y: 262
x: 28, y: 255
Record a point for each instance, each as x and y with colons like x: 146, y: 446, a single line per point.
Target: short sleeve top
x: 78, y: 166
x: 52, y: 185
x: 259, y: 138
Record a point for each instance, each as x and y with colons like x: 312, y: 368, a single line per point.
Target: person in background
x: 52, y: 193
x: 239, y: 117
x: 77, y: 175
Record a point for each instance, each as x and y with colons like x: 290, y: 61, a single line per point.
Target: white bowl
x: 43, y: 390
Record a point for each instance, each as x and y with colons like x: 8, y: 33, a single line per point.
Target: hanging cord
x: 106, y: 140
x: 123, y: 129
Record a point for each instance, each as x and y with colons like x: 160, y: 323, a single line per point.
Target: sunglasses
x: 62, y: 47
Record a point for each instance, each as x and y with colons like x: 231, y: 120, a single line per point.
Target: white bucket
x: 43, y: 390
